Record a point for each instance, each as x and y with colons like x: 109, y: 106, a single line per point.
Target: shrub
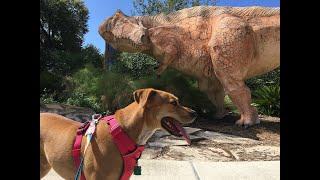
x: 181, y: 85
x: 117, y: 90
x: 46, y: 97
x: 49, y: 82
x: 85, y: 100
x: 135, y: 65
x: 267, y: 100
x: 270, y: 78
x: 83, y: 88
x: 229, y: 104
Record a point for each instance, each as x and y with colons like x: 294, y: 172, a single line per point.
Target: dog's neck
x: 132, y: 120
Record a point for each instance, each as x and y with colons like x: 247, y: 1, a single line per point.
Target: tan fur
x: 102, y: 159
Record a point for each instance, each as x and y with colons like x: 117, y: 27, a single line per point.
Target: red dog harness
x: 129, y: 150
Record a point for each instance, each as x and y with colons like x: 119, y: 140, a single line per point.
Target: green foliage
x: 267, y: 100
x: 136, y: 65
x: 84, y: 88
x: 270, y: 78
x: 63, y: 24
x: 49, y: 82
x: 266, y: 92
x: 229, y: 104
x: 47, y: 98
x: 181, y: 85
x: 91, y: 55
x: 87, y: 86
x: 117, y: 89
x: 85, y: 100
x: 64, y: 63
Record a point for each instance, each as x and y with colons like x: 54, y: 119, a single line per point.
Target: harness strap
x: 76, y: 150
x: 129, y: 150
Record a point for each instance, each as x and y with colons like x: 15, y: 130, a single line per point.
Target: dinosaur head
x: 124, y: 33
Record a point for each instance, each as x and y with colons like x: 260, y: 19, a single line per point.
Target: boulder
x: 80, y: 114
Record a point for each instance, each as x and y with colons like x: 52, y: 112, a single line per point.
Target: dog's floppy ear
x: 142, y: 96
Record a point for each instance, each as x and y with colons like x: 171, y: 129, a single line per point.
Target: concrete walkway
x: 192, y: 170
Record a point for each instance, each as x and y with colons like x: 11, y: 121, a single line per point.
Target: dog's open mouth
x: 175, y: 128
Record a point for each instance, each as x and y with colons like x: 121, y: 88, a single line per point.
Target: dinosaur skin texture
x: 220, y: 46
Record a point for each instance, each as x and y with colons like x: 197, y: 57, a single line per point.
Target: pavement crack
x: 194, y: 170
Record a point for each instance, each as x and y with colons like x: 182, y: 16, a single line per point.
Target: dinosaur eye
x: 174, y: 103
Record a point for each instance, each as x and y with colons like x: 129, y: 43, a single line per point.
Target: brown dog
x: 152, y: 110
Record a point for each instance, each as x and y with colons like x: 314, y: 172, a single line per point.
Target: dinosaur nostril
x: 144, y: 39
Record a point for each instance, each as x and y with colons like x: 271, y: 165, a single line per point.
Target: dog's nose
x: 193, y: 113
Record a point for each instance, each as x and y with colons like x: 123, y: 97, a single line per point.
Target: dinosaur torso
x: 191, y: 43
x: 191, y: 31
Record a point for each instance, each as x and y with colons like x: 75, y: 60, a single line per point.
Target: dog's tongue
x: 182, y: 132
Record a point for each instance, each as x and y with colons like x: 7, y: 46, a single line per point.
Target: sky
x: 101, y: 9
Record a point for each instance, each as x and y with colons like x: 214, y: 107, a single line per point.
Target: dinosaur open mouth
x: 175, y: 128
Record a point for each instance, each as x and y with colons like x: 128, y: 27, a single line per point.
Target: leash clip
x: 96, y: 117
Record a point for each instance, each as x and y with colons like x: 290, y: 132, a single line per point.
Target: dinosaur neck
x: 148, y: 21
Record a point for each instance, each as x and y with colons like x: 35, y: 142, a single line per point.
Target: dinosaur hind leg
x: 232, y: 51
x: 216, y: 94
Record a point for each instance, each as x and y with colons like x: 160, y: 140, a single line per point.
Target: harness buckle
x: 96, y: 117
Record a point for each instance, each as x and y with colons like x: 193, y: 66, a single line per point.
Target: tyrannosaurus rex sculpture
x: 220, y: 46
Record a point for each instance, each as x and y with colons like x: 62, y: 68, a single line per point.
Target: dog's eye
x: 174, y: 103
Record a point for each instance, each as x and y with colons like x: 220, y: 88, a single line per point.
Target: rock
x: 184, y: 153
x: 160, y: 133
x: 257, y: 153
x: 190, y: 130
x: 151, y: 153
x: 266, y: 150
x: 79, y: 114
x: 193, y: 138
x: 162, y: 142
x: 225, y: 138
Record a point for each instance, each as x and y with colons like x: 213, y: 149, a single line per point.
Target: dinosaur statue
x: 220, y: 46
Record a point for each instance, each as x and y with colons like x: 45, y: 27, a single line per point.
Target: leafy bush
x: 229, y: 105
x: 267, y: 100
x: 117, y: 90
x: 266, y: 92
x: 135, y: 65
x: 83, y: 88
x: 85, y: 100
x: 181, y: 85
x: 270, y: 78
x: 49, y: 82
x: 101, y: 91
x: 47, y: 98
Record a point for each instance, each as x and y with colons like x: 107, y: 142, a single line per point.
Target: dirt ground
x: 220, y: 140
x: 268, y: 131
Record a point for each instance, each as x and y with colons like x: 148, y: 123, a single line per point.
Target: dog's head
x: 162, y: 110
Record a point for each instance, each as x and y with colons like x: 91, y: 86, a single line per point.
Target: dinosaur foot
x: 248, y: 121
